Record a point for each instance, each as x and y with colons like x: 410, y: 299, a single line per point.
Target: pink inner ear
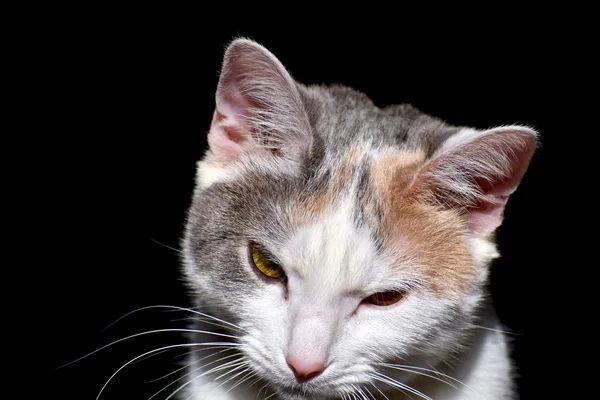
x: 487, y: 210
x: 229, y: 136
x: 485, y: 215
x: 225, y: 138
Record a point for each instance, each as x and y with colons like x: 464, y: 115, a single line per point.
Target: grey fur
x: 342, y: 117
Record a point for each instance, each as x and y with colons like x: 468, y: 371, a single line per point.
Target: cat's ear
x: 476, y: 172
x: 258, y: 108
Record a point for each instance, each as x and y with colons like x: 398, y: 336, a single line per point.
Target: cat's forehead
x: 332, y: 250
x: 359, y: 224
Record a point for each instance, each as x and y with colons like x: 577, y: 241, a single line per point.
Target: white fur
x: 209, y: 172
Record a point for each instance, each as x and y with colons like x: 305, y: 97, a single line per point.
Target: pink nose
x: 305, y: 369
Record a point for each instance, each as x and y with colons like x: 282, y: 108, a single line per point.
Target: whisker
x: 271, y: 395
x: 153, y: 351
x: 496, y: 330
x: 241, y: 380
x: 147, y: 333
x: 187, y: 353
x: 190, y: 364
x: 386, y: 379
x: 203, y: 320
x: 242, y: 365
x: 358, y: 390
x: 174, y: 382
x: 372, y: 384
x: 407, y: 368
x: 349, y: 392
x: 355, y: 391
x: 194, y: 370
x: 234, y: 363
x: 152, y: 355
x: 369, y: 392
x: 175, y: 308
x: 254, y: 381
x: 178, y: 251
x: 231, y: 378
x: 261, y: 389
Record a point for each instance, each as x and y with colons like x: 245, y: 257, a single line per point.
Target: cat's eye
x: 265, y: 265
x: 384, y: 298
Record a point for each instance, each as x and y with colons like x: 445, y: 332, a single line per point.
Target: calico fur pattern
x: 350, y: 199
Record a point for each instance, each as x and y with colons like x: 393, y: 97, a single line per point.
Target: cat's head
x: 339, y: 235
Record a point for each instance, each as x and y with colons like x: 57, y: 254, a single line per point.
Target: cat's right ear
x: 258, y: 109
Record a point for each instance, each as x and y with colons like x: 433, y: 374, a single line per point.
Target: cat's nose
x: 305, y: 369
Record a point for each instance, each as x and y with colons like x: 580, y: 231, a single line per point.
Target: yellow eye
x: 266, y: 266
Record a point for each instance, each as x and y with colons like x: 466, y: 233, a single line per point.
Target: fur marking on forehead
x: 329, y: 192
x: 416, y: 234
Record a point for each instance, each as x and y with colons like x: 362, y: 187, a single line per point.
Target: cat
x: 337, y: 250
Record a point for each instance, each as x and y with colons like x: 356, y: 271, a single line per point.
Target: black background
x: 131, y: 101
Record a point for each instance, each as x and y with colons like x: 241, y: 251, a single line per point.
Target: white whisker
x: 236, y: 363
x: 187, y: 353
x: 178, y: 251
x: 196, y: 369
x: 376, y: 388
x: 261, y: 389
x: 409, y: 368
x: 369, y: 392
x: 387, y: 380
x: 176, y: 308
x: 157, y: 350
x: 405, y: 369
x: 496, y: 330
x: 147, y: 333
x: 241, y: 380
x: 255, y: 381
x: 360, y: 392
x: 241, y: 365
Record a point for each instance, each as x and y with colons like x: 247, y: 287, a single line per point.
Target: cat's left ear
x: 258, y: 108
x: 476, y: 172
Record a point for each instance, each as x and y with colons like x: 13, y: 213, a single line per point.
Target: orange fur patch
x: 416, y: 233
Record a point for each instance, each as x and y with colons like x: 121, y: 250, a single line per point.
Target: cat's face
x: 339, y: 236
